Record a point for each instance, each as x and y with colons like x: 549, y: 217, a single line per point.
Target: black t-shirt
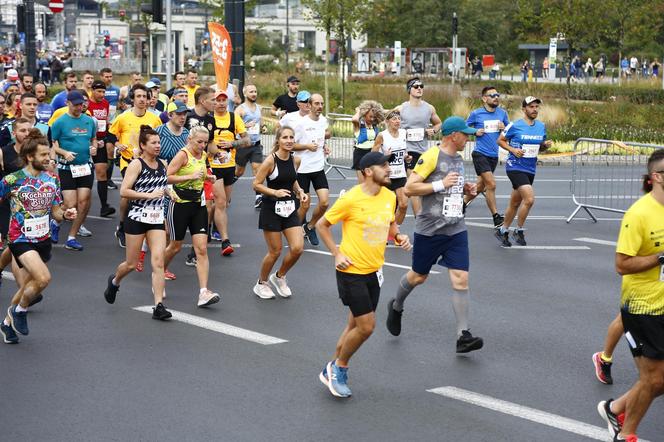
x: 206, y: 121
x: 286, y: 102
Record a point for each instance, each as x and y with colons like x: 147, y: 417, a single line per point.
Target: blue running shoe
x: 311, y: 235
x: 72, y: 244
x: 216, y: 236
x: 337, y: 378
x: 8, y: 334
x: 322, y: 376
x: 55, y: 232
x: 18, y: 320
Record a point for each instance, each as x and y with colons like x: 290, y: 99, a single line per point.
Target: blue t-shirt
x: 112, y: 95
x: 60, y: 100
x: 171, y: 144
x: 528, y: 138
x: 481, y: 118
x: 44, y: 112
x: 74, y: 135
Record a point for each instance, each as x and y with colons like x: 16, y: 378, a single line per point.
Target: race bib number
x: 380, y: 276
x: 397, y: 168
x: 150, y: 215
x: 530, y: 150
x: 284, y: 208
x: 221, y: 159
x: 453, y: 206
x: 255, y: 129
x: 491, y: 126
x: 80, y: 170
x: 416, y: 134
x: 101, y: 125
x: 36, y: 227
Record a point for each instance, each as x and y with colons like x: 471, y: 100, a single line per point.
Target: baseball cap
x: 98, y: 84
x: 177, y: 106
x: 373, y: 159
x: 155, y: 81
x: 457, y: 124
x: 220, y: 93
x: 530, y: 99
x: 179, y: 91
x: 12, y: 75
x: 75, y: 97
x: 303, y: 96
x: 293, y: 79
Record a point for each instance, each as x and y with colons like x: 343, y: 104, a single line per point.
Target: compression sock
x: 102, y: 191
x: 460, y: 306
x: 402, y: 293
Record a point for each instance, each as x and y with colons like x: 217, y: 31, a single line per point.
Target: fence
x: 606, y: 175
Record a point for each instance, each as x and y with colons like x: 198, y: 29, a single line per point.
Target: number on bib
x: 453, y: 206
x: 491, y: 126
x: 36, y: 227
x: 284, y: 208
x: 416, y: 134
x: 80, y: 170
x: 152, y: 215
x: 530, y: 150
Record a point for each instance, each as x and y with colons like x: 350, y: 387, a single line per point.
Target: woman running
x: 365, y: 129
x: 392, y: 142
x: 282, y: 197
x: 144, y: 186
x: 187, y: 172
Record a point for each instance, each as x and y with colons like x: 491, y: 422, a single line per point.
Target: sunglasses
x: 417, y: 86
x: 493, y: 95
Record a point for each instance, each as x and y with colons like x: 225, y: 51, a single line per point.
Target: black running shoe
x: 112, y: 185
x: 106, y: 211
x: 393, y: 319
x: 519, y: 238
x: 503, y: 238
x: 111, y: 290
x: 120, y: 235
x: 36, y: 300
x: 498, y: 220
x: 9, y: 336
x: 614, y: 422
x: 191, y: 259
x: 226, y: 248
x: 159, y: 312
x: 467, y: 342
x: 259, y: 202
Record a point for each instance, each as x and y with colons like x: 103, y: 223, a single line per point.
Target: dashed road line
x: 602, y: 242
x: 387, y: 264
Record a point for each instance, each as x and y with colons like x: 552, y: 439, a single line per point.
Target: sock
x: 6, y: 322
x: 605, y: 358
x: 258, y: 195
x: 69, y: 238
x: 402, y: 293
x: 144, y: 246
x: 102, y: 191
x: 204, y: 289
x: 503, y: 230
x: 460, y: 306
x: 20, y: 309
x: 121, y: 226
x: 115, y: 283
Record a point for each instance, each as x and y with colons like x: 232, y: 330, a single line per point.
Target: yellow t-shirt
x: 60, y: 112
x: 223, y: 134
x: 191, y: 102
x: 366, y: 223
x: 642, y: 234
x: 126, y: 128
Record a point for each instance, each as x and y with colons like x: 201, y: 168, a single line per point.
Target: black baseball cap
x: 293, y: 79
x: 98, y: 84
x: 373, y: 159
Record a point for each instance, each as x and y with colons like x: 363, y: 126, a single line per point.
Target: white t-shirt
x: 291, y: 119
x: 308, y: 131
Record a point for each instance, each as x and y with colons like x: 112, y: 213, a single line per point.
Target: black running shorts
x: 644, y: 334
x: 252, y: 154
x: 269, y: 221
x: 360, y: 293
x: 133, y: 227
x: 358, y: 154
x: 19, y: 248
x: 484, y: 163
x: 396, y: 183
x: 226, y: 174
x: 183, y: 216
x: 519, y: 179
x: 67, y: 182
x: 317, y: 179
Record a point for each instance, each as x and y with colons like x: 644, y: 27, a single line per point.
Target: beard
x: 37, y: 165
x: 492, y: 106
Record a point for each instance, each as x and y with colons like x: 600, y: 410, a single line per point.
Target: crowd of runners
x: 180, y: 151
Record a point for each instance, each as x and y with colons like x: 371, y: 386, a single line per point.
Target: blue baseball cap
x: 75, y: 97
x: 303, y: 96
x: 155, y: 81
x: 177, y: 106
x: 457, y: 124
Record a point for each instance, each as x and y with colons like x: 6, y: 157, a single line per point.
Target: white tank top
x: 397, y: 147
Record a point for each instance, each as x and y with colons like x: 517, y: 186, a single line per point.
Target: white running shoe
x: 85, y: 233
x: 281, y: 285
x: 208, y: 298
x: 263, y: 291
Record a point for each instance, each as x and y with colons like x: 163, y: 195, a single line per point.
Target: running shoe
x: 630, y: 438
x: 82, y: 231
x: 393, y: 319
x: 467, y: 342
x: 72, y: 244
x: 106, y: 211
x: 159, y: 312
x: 602, y: 369
x: 337, y: 380
x: 191, y: 259
x: 215, y: 236
x: 120, y: 235
x: 281, y: 285
x: 36, y: 300
x: 322, y: 376
x: 498, y: 220
x: 9, y: 336
x: 263, y: 291
x: 141, y: 261
x: 169, y: 276
x: 208, y: 298
x: 111, y: 185
x: 503, y: 238
x: 310, y: 234
x: 18, y: 320
x: 111, y: 290
x: 55, y: 232
x: 259, y: 202
x: 519, y: 237
x: 226, y: 248
x: 614, y: 422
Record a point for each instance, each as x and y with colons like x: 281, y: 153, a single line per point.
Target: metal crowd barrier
x: 607, y: 175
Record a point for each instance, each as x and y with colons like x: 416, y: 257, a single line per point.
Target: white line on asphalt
x: 548, y: 247
x: 218, y: 327
x: 523, y: 412
x: 388, y: 264
x: 472, y: 224
x: 596, y: 241
x: 538, y: 218
x: 99, y: 217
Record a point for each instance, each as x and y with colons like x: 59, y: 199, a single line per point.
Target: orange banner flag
x: 220, y: 42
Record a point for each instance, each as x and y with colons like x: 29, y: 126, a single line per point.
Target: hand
x: 197, y: 175
x: 312, y: 147
x: 93, y: 150
x: 250, y: 124
x: 281, y: 193
x: 326, y: 150
x: 342, y: 262
x: 121, y: 147
x: 159, y: 193
x: 409, y: 158
x: 451, y: 179
x: 70, y: 214
x: 69, y: 156
x: 225, y: 145
x: 171, y: 193
x: 429, y: 131
x: 479, y: 132
x: 304, y: 197
x: 501, y: 125
x: 517, y: 152
x: 470, y: 188
x: 547, y: 144
x: 403, y: 241
x: 211, y: 178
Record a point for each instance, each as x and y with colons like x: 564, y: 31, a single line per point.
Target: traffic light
x: 455, y: 24
x: 20, y: 18
x: 156, y: 9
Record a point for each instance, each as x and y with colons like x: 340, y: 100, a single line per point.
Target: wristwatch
x: 660, y: 258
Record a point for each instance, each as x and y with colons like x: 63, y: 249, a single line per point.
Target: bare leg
x: 199, y: 242
x: 273, y: 241
x: 527, y: 201
x: 134, y: 243
x: 295, y: 247
x: 510, y: 213
x: 319, y: 211
x: 355, y: 337
x: 157, y: 243
x: 613, y: 335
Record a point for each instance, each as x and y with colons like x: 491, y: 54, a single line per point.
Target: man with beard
x: 44, y: 109
x: 287, y: 102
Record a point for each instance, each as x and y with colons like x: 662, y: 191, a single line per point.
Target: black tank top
x: 9, y: 159
x: 282, y: 177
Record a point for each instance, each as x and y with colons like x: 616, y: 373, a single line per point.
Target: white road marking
x: 548, y: 247
x: 218, y: 327
x: 537, y: 218
x: 388, y: 264
x: 523, y: 412
x: 100, y: 217
x: 473, y: 224
x: 596, y: 241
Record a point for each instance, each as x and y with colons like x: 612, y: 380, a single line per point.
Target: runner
x: 173, y: 135
x: 187, y: 172
x: 27, y: 82
x: 286, y: 103
x: 191, y: 85
x: 250, y: 112
x: 100, y: 110
x: 489, y: 120
x: 60, y: 99
x: 292, y: 119
x: 310, y: 135
x: 640, y: 261
x: 178, y: 83
x: 392, y: 142
x: 440, y: 229
x: 135, y: 78
x: 524, y: 139
x: 420, y: 120
x: 178, y: 95
x: 34, y: 197
x: 44, y: 109
x: 230, y: 135
x: 144, y: 186
x: 112, y: 92
x: 279, y: 213
x: 367, y: 214
x: 86, y: 82
x: 368, y: 115
x: 29, y: 105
